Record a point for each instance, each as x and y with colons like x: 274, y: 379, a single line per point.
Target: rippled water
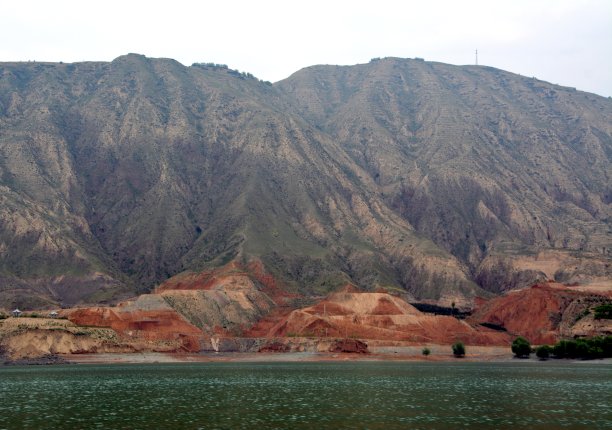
x: 371, y: 395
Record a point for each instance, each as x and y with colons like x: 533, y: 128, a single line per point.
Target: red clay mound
x: 326, y: 307
x: 202, y: 280
x: 262, y: 327
x: 380, y: 316
x: 233, y: 273
x: 273, y: 288
x: 151, y: 326
x: 191, y: 305
x: 386, y: 307
x: 543, y: 313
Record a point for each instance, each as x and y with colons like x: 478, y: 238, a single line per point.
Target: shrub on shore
x: 585, y: 349
x: 458, y: 349
x: 426, y: 351
x: 543, y: 352
x: 595, y: 347
x: 521, y: 347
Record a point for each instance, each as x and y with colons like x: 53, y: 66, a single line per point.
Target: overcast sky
x: 567, y: 42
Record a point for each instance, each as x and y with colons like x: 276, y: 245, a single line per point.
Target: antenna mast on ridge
x: 477, y: 57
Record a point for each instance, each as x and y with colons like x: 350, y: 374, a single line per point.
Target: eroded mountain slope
x: 119, y: 175
x: 488, y: 164
x: 432, y: 179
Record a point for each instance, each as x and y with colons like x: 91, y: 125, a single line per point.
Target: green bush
x: 543, y: 352
x: 458, y: 349
x: 426, y: 351
x: 521, y: 347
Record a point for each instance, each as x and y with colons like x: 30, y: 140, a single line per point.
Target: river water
x: 364, y: 395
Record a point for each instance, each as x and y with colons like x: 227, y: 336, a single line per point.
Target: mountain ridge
x: 117, y: 176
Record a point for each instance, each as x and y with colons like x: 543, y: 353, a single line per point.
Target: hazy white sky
x: 568, y: 42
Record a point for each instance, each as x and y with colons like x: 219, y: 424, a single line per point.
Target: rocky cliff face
x: 438, y: 180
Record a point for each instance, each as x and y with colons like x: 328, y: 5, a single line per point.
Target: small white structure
x: 53, y: 314
x: 16, y: 313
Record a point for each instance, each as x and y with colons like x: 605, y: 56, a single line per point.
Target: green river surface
x: 321, y: 395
